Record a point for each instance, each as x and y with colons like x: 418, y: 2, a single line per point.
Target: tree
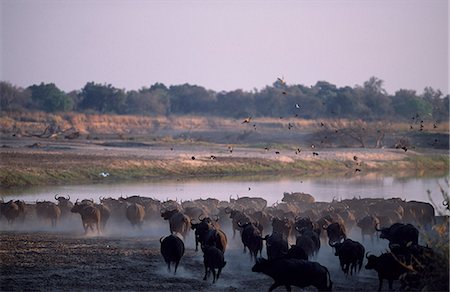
x: 153, y: 100
x: 102, y: 98
x: 191, y: 99
x: 13, y: 98
x: 407, y: 104
x: 236, y: 104
x: 50, y: 98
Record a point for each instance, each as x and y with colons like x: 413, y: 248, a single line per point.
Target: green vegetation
x: 324, y: 100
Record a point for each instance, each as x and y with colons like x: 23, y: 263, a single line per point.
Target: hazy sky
x: 225, y: 45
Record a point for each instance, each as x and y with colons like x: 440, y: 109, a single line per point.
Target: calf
x: 293, y: 272
x: 213, y: 259
x: 387, y: 268
x: 351, y: 255
x: 172, y: 250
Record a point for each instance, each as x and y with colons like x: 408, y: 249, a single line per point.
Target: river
x: 270, y: 188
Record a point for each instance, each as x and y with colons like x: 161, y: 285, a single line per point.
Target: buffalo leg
x: 380, y: 283
x: 176, y: 267
x: 273, y: 286
x: 206, y: 273
x: 218, y: 273
x: 390, y: 281
x: 214, y: 275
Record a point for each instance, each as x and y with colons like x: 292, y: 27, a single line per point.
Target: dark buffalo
x: 178, y: 222
x: 10, y: 210
x: 335, y: 232
x: 201, y: 229
x: 90, y: 216
x: 298, y: 198
x: 48, y: 211
x: 294, y: 272
x: 282, y: 226
x: 387, y: 268
x: 400, y: 234
x: 64, y: 204
x: 302, y: 223
x: 368, y: 225
x: 213, y: 259
x: 237, y: 216
x: 251, y: 238
x: 172, y: 250
x: 297, y: 252
x: 309, y: 241
x: 135, y: 214
x: 276, y: 246
x: 351, y: 255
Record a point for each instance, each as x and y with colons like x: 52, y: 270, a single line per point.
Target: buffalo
x: 135, y: 214
x: 90, y: 216
x: 48, y: 211
x: 201, y: 229
x: 400, y: 234
x: 336, y: 232
x: 351, y: 255
x: 276, y: 245
x: 213, y: 259
x: 10, y: 210
x: 387, y: 268
x: 172, y: 250
x: 178, y: 222
x: 251, y: 238
x: 368, y: 224
x: 293, y: 272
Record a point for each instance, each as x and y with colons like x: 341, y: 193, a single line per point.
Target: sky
x: 225, y: 45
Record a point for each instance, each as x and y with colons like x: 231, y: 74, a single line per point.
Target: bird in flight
x: 247, y: 120
x: 281, y: 80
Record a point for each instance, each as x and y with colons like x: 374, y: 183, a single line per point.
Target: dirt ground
x: 51, y: 260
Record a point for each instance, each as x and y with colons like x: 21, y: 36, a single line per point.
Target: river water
x: 270, y: 188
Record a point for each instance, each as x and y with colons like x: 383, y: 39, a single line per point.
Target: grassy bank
x: 46, y: 169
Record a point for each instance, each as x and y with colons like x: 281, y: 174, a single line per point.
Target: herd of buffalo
x: 295, y: 229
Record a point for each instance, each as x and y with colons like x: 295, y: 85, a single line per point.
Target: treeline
x: 323, y: 100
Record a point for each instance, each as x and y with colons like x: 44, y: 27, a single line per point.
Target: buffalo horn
x: 367, y: 255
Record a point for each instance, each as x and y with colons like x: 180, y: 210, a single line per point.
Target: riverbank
x: 34, y: 161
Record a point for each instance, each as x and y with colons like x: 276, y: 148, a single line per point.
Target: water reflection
x: 323, y: 189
